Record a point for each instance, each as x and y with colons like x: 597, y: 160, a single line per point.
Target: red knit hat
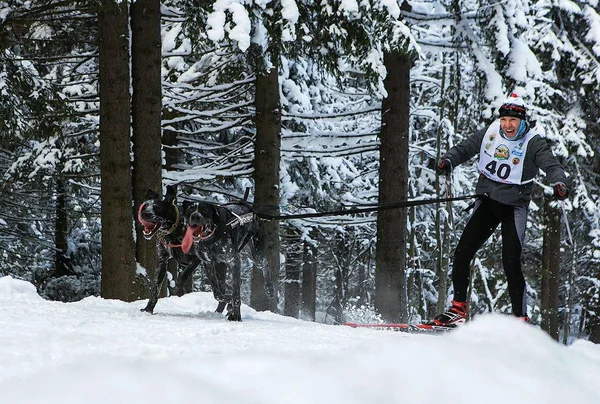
x: 513, y: 106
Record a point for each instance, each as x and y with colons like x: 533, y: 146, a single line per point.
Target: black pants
x: 487, y: 215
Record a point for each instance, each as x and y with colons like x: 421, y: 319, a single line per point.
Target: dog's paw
x: 148, y: 310
x: 233, y: 313
x: 235, y: 316
x: 177, y: 291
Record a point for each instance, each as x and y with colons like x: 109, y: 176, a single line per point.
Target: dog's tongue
x: 188, y: 240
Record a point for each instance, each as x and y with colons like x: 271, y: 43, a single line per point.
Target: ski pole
x: 562, y: 206
x: 449, y: 183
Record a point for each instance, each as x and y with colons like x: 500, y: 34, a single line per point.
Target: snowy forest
x: 314, y: 106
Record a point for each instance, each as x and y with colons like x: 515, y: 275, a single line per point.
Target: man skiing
x: 510, y: 154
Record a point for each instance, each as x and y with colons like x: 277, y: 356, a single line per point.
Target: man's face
x: 510, y: 125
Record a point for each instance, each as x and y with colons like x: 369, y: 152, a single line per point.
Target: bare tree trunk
x: 146, y: 115
x: 118, y: 246
x: 337, y: 305
x: 291, y: 306
x: 550, y: 270
x: 309, y: 280
x: 364, y: 264
x: 390, y: 276
x: 343, y: 257
x: 570, y: 294
x: 594, y: 328
x: 62, y: 263
x: 440, y: 226
x: 266, y: 178
x: 414, y: 263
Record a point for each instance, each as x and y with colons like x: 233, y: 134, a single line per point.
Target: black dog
x: 164, y: 219
x: 213, y: 230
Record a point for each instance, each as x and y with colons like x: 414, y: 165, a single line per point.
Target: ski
x: 423, y: 328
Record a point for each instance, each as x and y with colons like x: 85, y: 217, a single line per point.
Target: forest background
x: 315, y: 106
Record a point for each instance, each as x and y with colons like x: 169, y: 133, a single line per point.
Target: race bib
x: 502, y: 160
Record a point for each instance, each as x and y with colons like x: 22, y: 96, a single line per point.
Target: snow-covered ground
x: 103, y: 351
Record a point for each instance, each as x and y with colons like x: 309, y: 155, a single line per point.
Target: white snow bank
x: 103, y: 351
x: 11, y: 288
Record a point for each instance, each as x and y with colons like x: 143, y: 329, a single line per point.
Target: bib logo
x: 501, y: 152
x: 516, y: 161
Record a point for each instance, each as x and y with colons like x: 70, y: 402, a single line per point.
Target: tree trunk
x: 550, y: 270
x: 441, y: 268
x: 266, y: 178
x: 62, y: 263
x: 363, y: 275
x: 118, y: 246
x: 146, y: 114
x: 291, y: 306
x: 414, y: 264
x: 390, y: 274
x: 337, y: 305
x: 570, y: 294
x: 309, y: 280
x: 594, y: 328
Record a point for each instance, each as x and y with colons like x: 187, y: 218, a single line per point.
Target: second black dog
x: 218, y: 232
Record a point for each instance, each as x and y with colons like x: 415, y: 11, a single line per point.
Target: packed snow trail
x: 107, y: 351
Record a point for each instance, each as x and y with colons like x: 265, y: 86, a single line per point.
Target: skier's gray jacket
x: 537, y: 156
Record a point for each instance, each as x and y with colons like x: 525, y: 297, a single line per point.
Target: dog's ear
x: 206, y: 210
x: 171, y: 193
x: 186, y: 205
x: 150, y: 194
x: 171, y: 190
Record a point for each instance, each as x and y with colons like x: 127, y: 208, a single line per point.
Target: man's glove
x: 561, y: 192
x: 444, y: 166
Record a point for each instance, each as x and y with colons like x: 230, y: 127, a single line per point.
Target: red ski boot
x: 455, y: 315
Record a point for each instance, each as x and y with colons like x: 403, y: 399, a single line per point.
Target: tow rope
x: 354, y: 211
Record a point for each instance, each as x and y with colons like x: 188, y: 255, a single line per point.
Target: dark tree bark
x: 62, y: 263
x: 594, y: 328
x: 309, y: 280
x: 266, y: 178
x: 415, y: 281
x: 146, y: 116
x: 291, y: 306
x: 550, y: 270
x: 118, y: 247
x: 337, y: 306
x: 390, y: 274
x: 441, y: 227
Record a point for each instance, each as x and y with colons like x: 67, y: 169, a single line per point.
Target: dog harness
x: 240, y: 220
x: 162, y: 235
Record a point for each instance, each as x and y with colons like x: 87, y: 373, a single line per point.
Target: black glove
x: 561, y: 192
x: 444, y: 166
